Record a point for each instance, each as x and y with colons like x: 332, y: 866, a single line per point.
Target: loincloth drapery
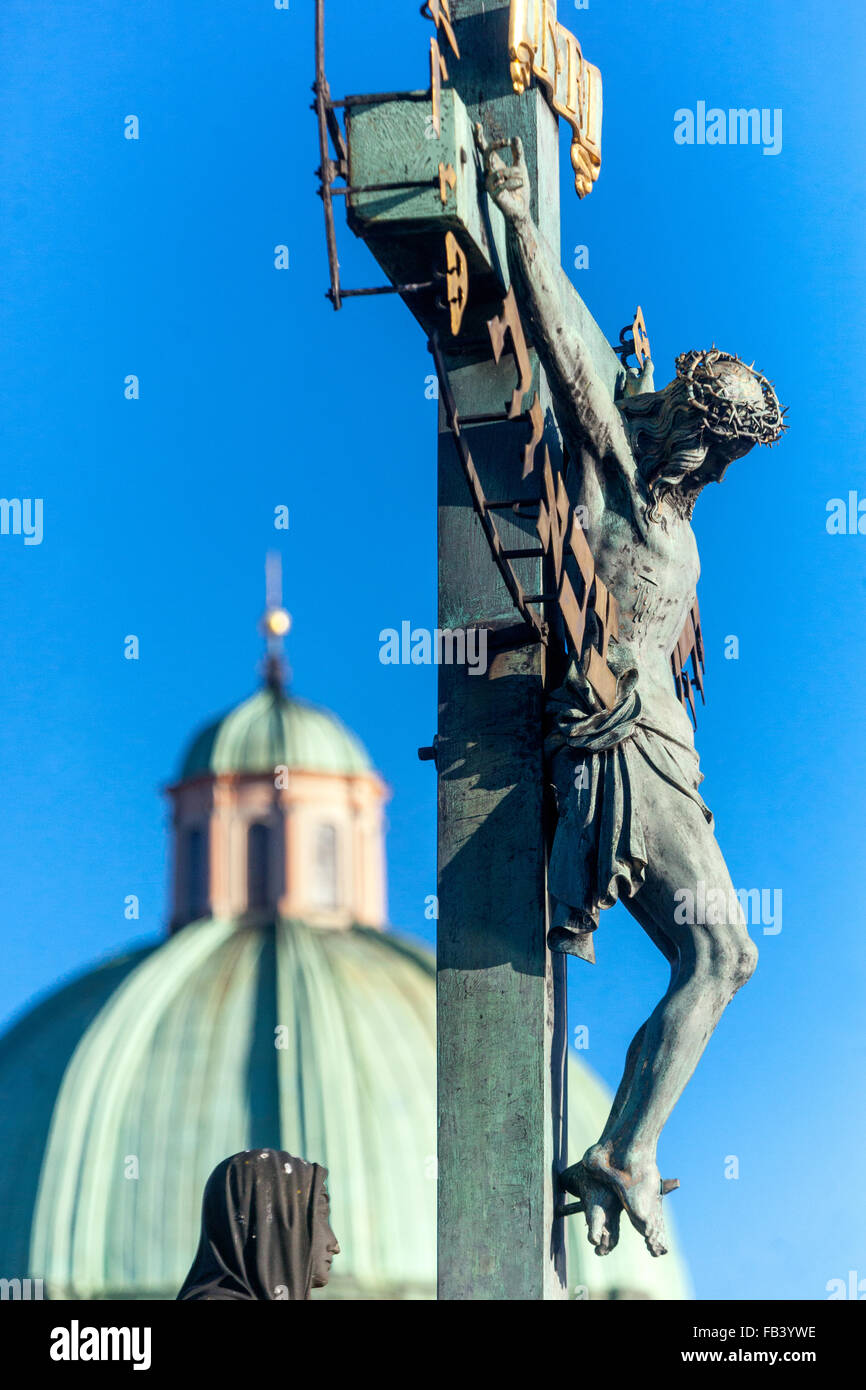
x: 599, y: 851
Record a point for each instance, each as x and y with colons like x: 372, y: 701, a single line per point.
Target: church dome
x: 224, y: 1038
x: 274, y: 729
x: 136, y: 1079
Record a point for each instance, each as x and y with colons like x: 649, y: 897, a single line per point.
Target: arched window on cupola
x: 197, y: 873
x: 326, y: 868
x: 258, y: 866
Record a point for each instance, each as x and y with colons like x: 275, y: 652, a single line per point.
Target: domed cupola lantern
x: 278, y: 811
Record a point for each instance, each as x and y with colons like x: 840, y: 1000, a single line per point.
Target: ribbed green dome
x: 276, y: 730
x: 124, y: 1089
x: 224, y: 1038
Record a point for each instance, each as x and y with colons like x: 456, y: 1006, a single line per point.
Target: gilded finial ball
x: 277, y: 622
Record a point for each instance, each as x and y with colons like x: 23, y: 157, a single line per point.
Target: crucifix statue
x: 567, y: 778
x: 632, y: 824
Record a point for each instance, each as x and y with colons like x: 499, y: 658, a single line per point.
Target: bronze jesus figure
x: 632, y: 824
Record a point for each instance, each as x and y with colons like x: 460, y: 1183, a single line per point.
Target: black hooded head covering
x: 259, y: 1217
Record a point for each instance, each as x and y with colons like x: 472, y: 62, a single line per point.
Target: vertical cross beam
x: 501, y: 996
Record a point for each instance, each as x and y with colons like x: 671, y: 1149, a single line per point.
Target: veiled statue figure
x: 632, y: 825
x: 265, y: 1231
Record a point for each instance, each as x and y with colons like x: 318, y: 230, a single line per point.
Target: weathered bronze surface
x: 632, y: 825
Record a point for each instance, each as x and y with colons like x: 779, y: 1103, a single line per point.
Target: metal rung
x: 383, y: 289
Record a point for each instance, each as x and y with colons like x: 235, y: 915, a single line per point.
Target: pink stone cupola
x: 278, y: 811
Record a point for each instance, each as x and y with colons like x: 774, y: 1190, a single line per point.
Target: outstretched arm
x: 548, y: 295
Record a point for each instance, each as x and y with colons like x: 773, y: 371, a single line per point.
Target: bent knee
x: 734, y: 957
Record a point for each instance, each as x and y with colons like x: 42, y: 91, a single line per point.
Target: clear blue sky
x: 155, y: 257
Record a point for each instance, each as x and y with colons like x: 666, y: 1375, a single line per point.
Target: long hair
x: 665, y: 433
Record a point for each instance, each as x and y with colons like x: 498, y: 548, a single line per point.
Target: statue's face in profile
x: 716, y: 462
x: 325, y: 1243
x: 708, y: 458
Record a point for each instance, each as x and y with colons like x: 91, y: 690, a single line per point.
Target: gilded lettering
x: 540, y: 45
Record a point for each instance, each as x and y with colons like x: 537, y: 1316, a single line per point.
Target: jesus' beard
x: 677, y: 483
x: 680, y: 497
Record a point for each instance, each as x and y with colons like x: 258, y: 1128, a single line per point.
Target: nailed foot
x: 601, y: 1186
x: 599, y: 1203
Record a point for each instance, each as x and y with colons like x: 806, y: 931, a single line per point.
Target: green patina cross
x: 412, y: 182
x: 541, y: 422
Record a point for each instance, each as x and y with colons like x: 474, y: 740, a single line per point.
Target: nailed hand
x: 507, y: 184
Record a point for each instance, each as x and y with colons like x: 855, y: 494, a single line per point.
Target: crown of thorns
x: 727, y: 414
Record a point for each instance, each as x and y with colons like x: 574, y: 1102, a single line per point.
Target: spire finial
x: 275, y: 624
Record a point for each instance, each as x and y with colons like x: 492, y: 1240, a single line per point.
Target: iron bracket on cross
x: 405, y: 163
